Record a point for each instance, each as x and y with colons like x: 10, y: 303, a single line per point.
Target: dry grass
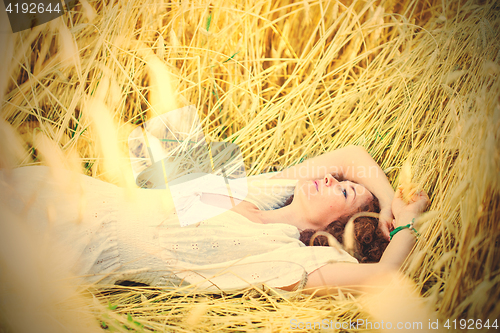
x: 408, y: 80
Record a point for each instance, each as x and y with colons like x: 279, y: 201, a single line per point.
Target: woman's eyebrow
x: 354, y: 193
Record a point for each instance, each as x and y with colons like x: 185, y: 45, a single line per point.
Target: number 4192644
x: 470, y: 324
x: 32, y: 8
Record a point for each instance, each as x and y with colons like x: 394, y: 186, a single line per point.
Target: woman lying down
x: 112, y: 235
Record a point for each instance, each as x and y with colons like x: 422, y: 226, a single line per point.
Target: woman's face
x: 324, y: 200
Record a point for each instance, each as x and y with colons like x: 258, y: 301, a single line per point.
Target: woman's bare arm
x: 352, y: 163
x: 359, y: 277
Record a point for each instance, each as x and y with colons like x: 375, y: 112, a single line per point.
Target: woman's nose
x: 329, y: 180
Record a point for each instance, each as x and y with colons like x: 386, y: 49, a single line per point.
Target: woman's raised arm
x: 351, y: 163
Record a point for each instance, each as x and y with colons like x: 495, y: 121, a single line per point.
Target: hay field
x: 285, y: 80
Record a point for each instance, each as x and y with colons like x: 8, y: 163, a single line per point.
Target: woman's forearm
x: 360, y: 167
x: 401, y: 244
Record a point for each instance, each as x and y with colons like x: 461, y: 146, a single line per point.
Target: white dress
x: 113, y: 234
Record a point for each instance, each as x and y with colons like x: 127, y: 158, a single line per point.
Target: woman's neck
x: 284, y: 215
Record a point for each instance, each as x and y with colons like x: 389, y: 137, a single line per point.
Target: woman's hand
x: 418, y: 203
x: 385, y: 221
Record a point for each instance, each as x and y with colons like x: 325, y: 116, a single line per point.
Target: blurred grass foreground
x: 285, y: 80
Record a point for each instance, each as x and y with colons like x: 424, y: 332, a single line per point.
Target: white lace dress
x: 113, y: 234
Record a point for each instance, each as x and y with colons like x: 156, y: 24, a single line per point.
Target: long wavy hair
x: 369, y: 239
